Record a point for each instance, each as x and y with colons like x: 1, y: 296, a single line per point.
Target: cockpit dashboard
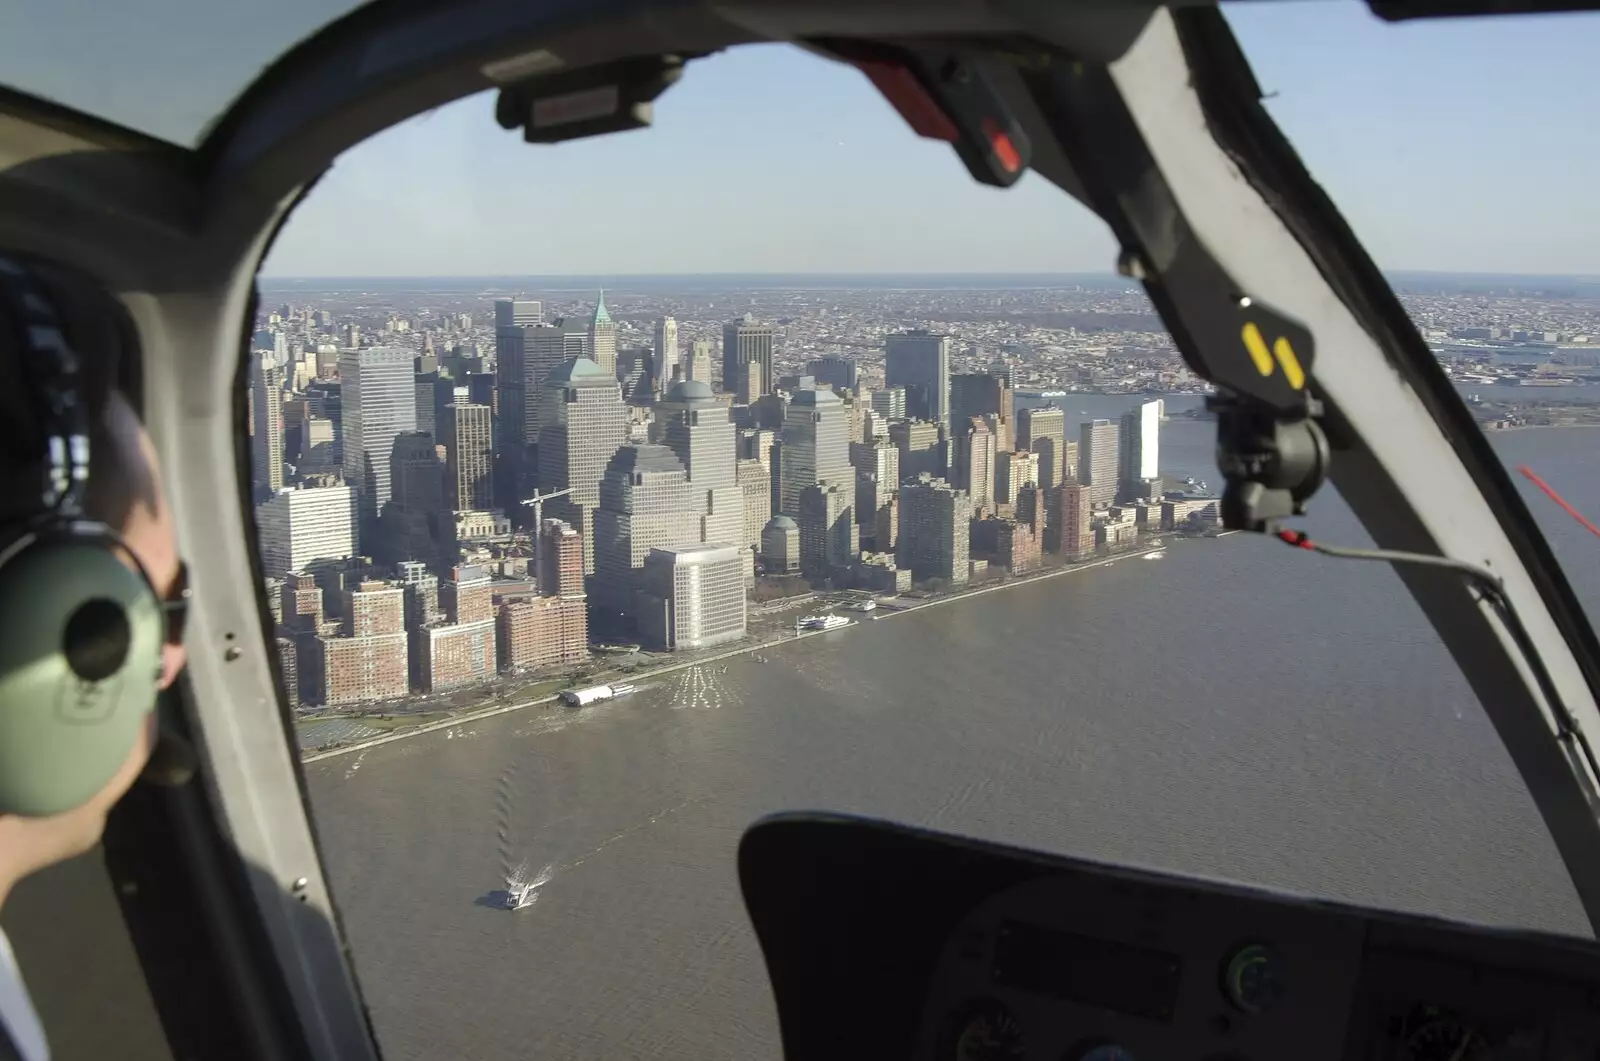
x: 884, y: 941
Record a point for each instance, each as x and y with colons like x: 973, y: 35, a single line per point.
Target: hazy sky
x: 1450, y: 145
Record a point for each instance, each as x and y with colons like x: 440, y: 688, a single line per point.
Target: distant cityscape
x: 461, y: 485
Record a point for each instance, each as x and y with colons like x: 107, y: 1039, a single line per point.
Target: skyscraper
x: 517, y: 313
x: 693, y: 595
x: 1076, y: 520
x: 297, y: 527
x: 1138, y: 451
x: 747, y: 340
x: 816, y: 446
x: 560, y: 571
x: 919, y: 361
x: 920, y: 446
x: 646, y: 502
x: 697, y: 429
x: 935, y: 529
x: 582, y: 424
x: 527, y: 355
x: 469, y: 455
x: 379, y: 402
x: 973, y: 467
x: 834, y: 371
x: 1043, y: 430
x: 603, y: 337
x: 266, y: 440
x: 1097, y: 461
x: 829, y: 537
x: 666, y: 350
x: 983, y: 394
x: 699, y: 366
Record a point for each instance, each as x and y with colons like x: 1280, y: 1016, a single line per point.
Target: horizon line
x: 1105, y: 275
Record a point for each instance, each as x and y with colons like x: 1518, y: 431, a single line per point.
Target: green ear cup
x: 80, y: 659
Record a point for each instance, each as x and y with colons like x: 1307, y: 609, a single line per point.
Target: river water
x: 1140, y: 712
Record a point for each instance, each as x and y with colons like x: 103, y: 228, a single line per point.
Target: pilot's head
x: 125, y: 492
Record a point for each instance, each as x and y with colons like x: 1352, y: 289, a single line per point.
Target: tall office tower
x: 748, y: 391
x: 583, y: 423
x: 829, y: 537
x: 635, y: 372
x: 560, y: 571
x: 1138, y: 451
x: 413, y: 524
x: 840, y: 373
x: 666, y: 351
x: 816, y: 446
x: 1076, y: 520
x: 524, y: 360
x: 1097, y: 461
x: 919, y: 362
x: 935, y: 528
x: 517, y: 313
x: 1012, y: 471
x: 469, y: 457
x: 379, y: 402
x: 1044, y: 431
x: 983, y: 394
x: 855, y: 414
x: 699, y: 366
x: 920, y: 443
x: 266, y: 441
x: 422, y: 596
x: 1029, y: 509
x: 877, y: 466
x: 747, y: 340
x: 755, y: 483
x: 603, y: 337
x: 886, y: 525
x: 890, y: 404
x: 692, y: 596
x: 296, y: 527
x: 427, y: 386
x: 646, y: 502
x: 696, y: 427
x: 973, y: 466
x: 369, y: 660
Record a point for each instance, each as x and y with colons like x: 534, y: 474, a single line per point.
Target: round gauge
x: 1253, y: 979
x: 1100, y: 1052
x: 1445, y: 1038
x: 985, y: 1030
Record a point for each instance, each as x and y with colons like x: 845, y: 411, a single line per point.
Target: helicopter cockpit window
x: 612, y: 495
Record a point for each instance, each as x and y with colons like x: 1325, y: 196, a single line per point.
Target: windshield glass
x: 190, y: 59
x: 792, y: 325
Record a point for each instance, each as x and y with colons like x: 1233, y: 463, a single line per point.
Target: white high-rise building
x: 1138, y: 451
x: 816, y: 446
x: 379, y: 401
x: 666, y: 351
x: 297, y: 527
x: 517, y: 313
x: 693, y: 596
x: 266, y: 444
x: 1097, y: 461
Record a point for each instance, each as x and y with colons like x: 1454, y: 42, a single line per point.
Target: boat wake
x: 522, y: 888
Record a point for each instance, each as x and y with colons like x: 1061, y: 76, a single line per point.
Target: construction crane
x: 537, y: 501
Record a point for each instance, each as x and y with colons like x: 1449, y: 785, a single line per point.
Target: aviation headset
x: 81, y: 625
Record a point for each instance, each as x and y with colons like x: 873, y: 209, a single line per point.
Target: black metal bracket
x: 1270, y: 448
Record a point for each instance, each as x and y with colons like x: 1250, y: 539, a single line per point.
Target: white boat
x: 1158, y: 554
x: 521, y: 895
x: 864, y: 606
x: 823, y: 622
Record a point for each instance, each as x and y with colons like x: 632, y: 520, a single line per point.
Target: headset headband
x: 53, y: 371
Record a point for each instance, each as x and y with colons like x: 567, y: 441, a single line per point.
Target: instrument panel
x: 1083, y: 967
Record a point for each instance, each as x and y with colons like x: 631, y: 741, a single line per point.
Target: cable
x: 1550, y: 491
x: 1493, y: 590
